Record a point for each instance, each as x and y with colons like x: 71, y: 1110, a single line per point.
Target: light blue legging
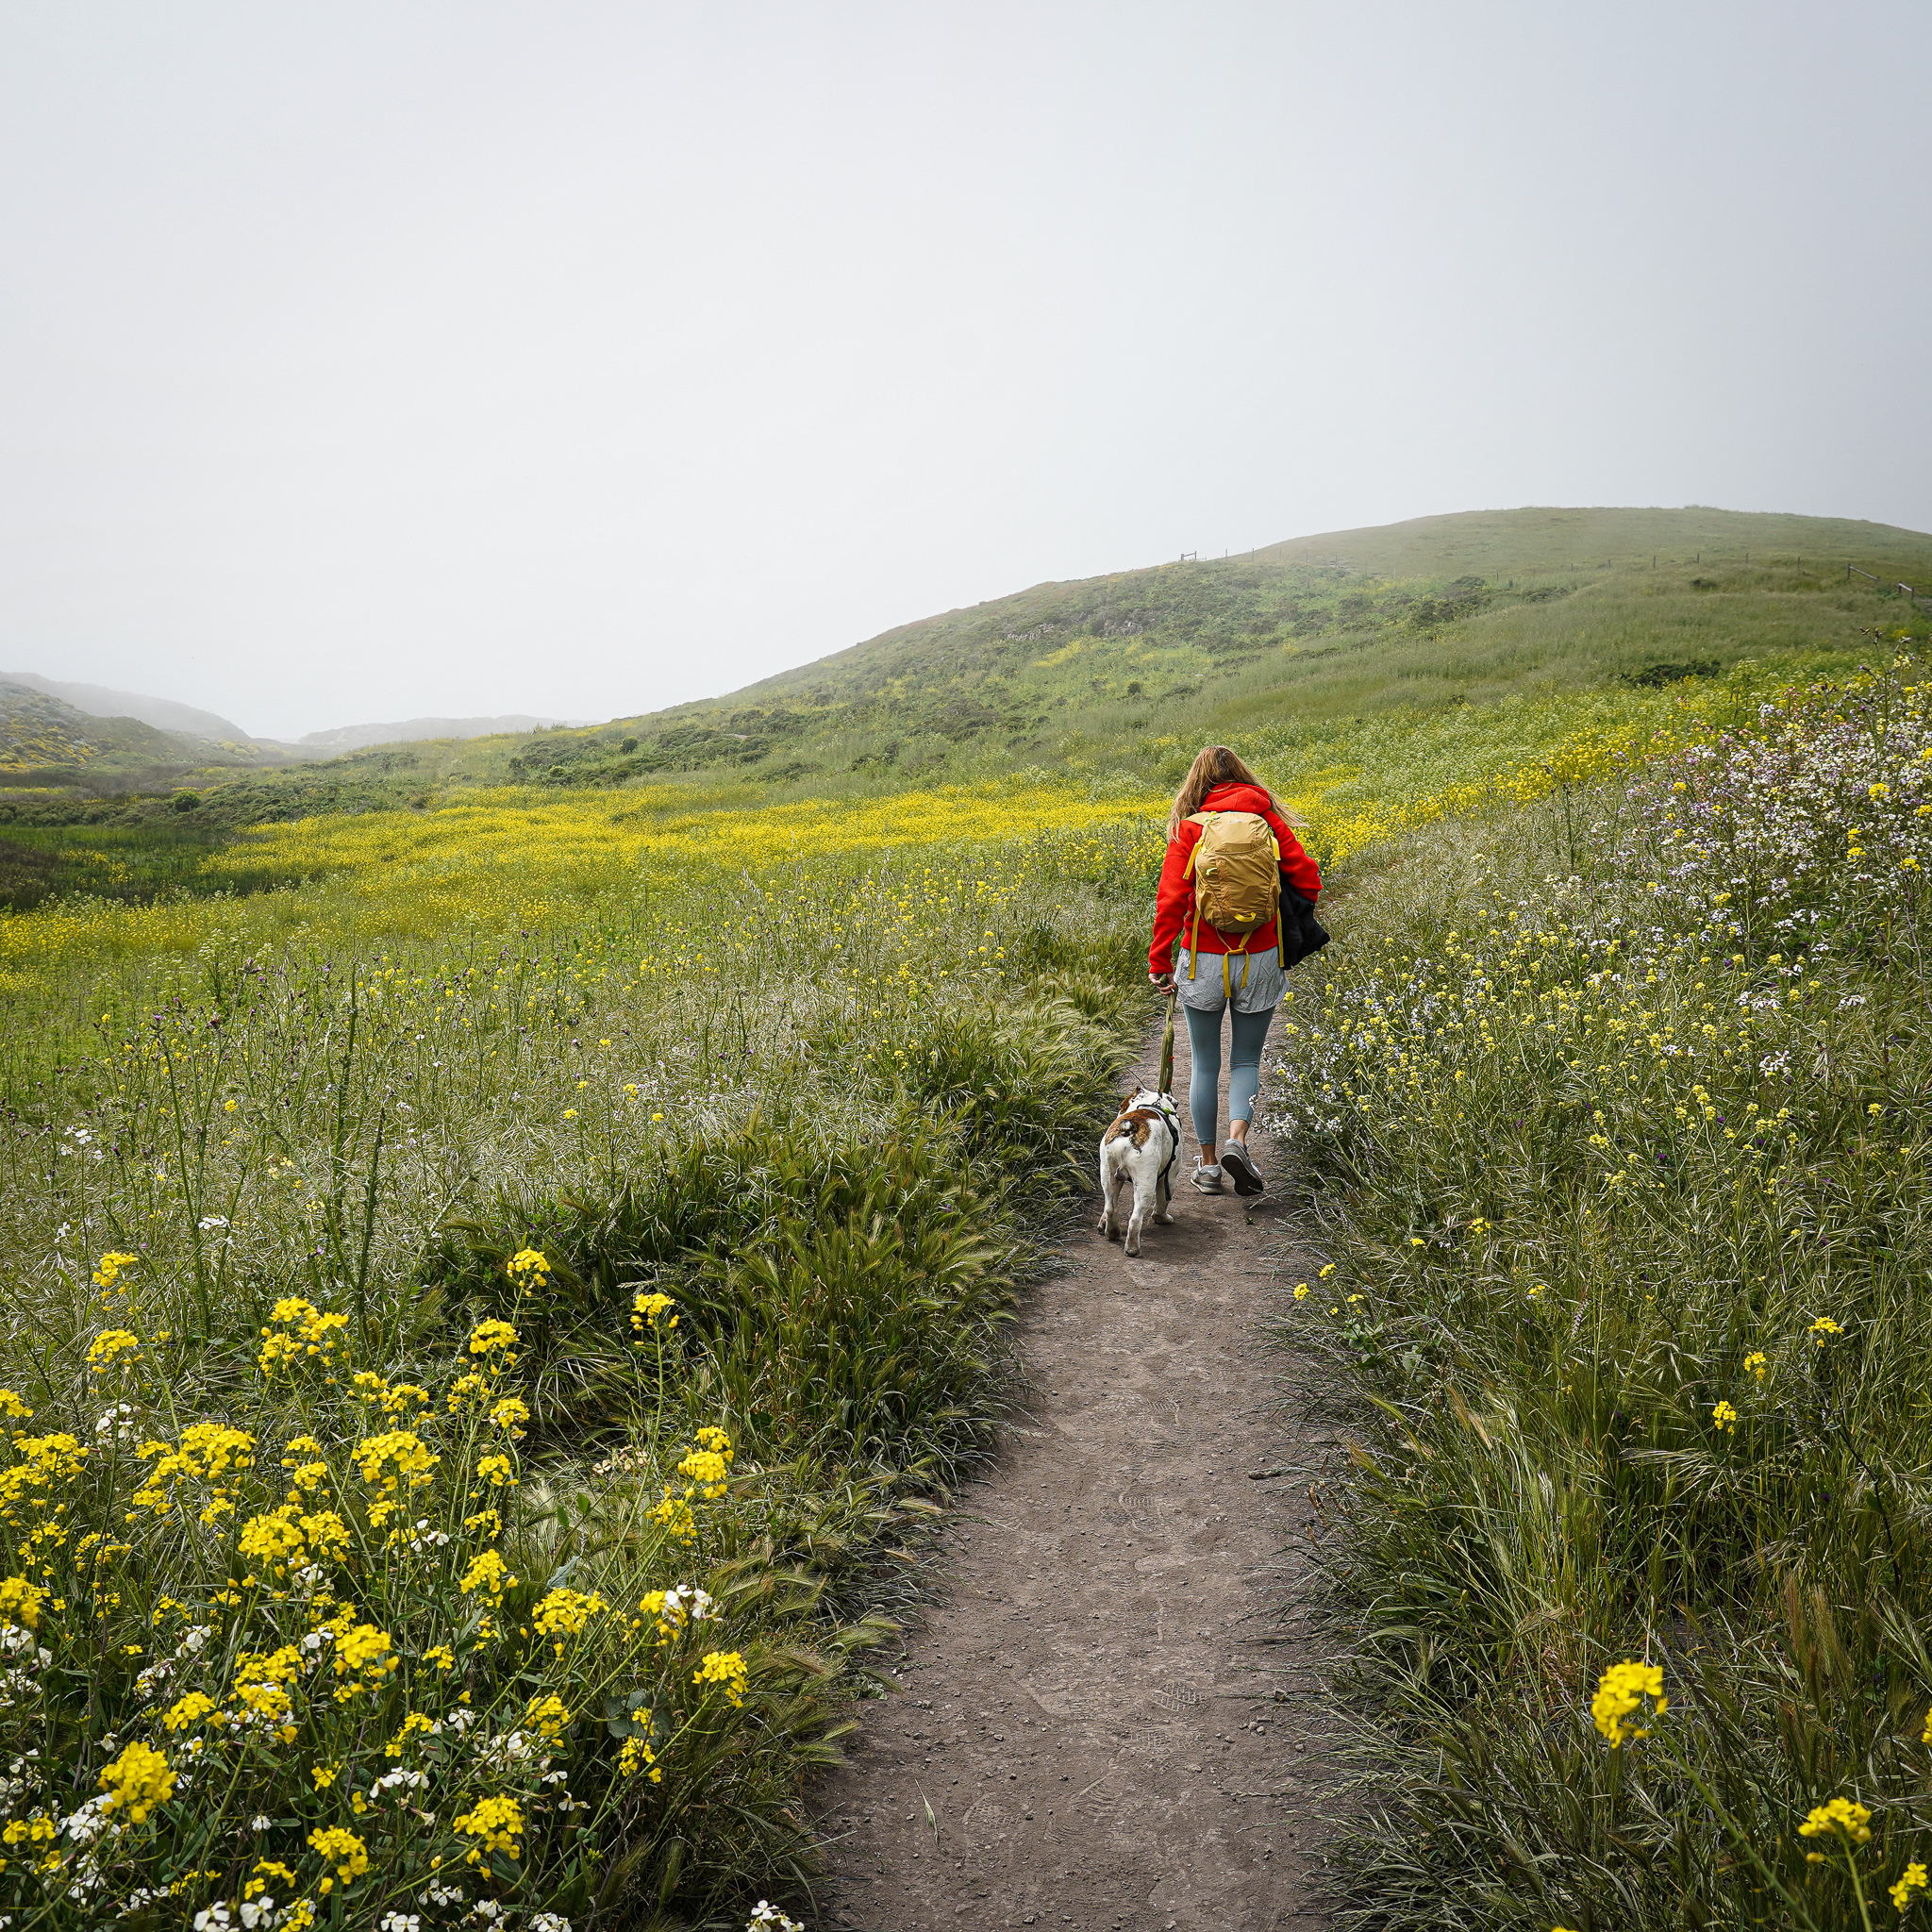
x: 1244, y: 1074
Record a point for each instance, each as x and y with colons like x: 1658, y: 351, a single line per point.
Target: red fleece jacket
x: 1174, y: 905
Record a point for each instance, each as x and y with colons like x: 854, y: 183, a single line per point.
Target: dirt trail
x: 1092, y: 1713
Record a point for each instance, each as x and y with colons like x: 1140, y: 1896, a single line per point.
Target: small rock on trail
x: 1091, y: 1733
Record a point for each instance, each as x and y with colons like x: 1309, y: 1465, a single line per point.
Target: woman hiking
x: 1239, y: 969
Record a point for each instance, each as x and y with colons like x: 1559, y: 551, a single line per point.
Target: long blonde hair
x: 1214, y: 764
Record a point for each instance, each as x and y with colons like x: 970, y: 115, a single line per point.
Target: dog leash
x: 1170, y: 1113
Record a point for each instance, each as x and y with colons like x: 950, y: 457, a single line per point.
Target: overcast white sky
x: 358, y: 361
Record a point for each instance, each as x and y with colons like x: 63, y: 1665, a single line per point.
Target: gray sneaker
x: 1245, y: 1176
x: 1206, y: 1178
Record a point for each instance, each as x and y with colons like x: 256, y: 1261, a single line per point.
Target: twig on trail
x: 1257, y: 1475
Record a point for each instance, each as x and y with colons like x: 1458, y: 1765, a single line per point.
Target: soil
x: 1109, y: 1720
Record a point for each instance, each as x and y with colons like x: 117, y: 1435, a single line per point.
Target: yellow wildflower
x: 365, y: 1649
x: 565, y: 1613
x: 708, y: 1471
x: 273, y: 1541
x: 1841, y: 1818
x: 137, y: 1782
x: 488, y: 1573
x: 636, y: 1753
x: 467, y: 1388
x: 189, y: 1710
x: 726, y: 1669
x: 20, y: 1604
x: 1621, y: 1690
x: 342, y: 1850
x: 413, y: 1723
x: 676, y: 1516
x: 386, y: 1459
x: 547, y: 1716
x: 112, y: 1345
x: 266, y: 1868
x: 496, y: 1337
x: 499, y: 1823
x: 647, y: 1310
x: 304, y: 1332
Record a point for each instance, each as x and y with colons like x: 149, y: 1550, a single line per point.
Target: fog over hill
x: 359, y: 737
x: 164, y: 714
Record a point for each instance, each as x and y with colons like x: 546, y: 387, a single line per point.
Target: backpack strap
x: 1199, y: 818
x: 1227, y: 972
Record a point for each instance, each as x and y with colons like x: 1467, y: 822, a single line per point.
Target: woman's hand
x: 1161, y: 982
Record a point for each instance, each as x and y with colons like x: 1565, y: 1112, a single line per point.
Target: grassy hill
x: 46, y: 742
x: 1438, y: 611
x: 96, y: 805
x: 1312, y: 642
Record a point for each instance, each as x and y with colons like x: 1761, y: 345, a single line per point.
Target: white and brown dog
x: 1142, y: 1146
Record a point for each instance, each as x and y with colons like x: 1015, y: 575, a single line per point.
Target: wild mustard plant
x: 1615, y: 1113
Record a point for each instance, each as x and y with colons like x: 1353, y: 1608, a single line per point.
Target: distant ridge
x: 164, y: 714
x: 359, y: 737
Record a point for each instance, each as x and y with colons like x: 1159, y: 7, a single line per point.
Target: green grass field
x: 477, y: 1397
x: 500, y: 1276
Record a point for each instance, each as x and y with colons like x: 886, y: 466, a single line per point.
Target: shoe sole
x: 1246, y: 1179
x: 1203, y: 1187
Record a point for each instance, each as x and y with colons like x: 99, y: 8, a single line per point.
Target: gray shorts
x: 1259, y: 992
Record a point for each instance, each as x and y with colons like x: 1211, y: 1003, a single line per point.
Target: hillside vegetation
x: 1420, y: 615
x: 95, y: 806
x: 1610, y: 1110
x: 1317, y: 650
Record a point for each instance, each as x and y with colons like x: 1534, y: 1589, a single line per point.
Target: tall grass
x: 1613, y: 1115
x: 468, y: 1394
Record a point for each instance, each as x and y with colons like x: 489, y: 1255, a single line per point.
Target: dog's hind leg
x: 1106, y: 1184
x: 1135, y: 1221
x: 1163, y: 1202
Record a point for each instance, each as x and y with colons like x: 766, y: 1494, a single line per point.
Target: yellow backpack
x: 1235, y: 866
